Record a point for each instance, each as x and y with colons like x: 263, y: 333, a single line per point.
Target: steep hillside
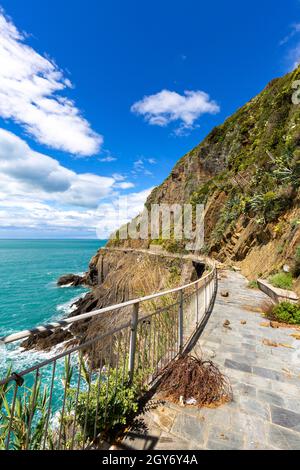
x: 113, y: 278
x: 247, y: 173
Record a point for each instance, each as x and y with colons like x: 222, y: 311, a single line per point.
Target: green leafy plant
x: 108, y: 404
x: 267, y: 205
x: 27, y: 424
x: 4, y: 390
x: 282, y: 280
x: 287, y: 312
x: 253, y: 285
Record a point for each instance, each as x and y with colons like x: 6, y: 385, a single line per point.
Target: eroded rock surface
x: 71, y: 280
x: 114, y: 277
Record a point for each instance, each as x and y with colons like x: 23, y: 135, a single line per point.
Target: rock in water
x: 72, y: 280
x: 45, y: 340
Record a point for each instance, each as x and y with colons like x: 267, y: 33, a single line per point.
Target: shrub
x: 108, y: 405
x: 282, y: 280
x: 287, y: 312
x: 268, y: 205
x: 104, y: 406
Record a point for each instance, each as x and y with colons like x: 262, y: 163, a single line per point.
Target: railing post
x: 133, y: 335
x: 197, y: 305
x: 180, y: 323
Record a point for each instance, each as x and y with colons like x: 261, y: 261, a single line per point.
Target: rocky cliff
x: 247, y: 173
x: 115, y: 276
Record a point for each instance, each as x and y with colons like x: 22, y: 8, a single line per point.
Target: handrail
x: 94, y: 369
x: 50, y: 326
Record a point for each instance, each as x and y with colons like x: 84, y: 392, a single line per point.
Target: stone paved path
x: 265, y: 412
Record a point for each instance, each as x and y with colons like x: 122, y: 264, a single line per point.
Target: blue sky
x: 98, y: 100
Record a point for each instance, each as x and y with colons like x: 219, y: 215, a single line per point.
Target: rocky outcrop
x: 114, y: 277
x: 247, y: 173
x: 47, y: 339
x: 71, y: 280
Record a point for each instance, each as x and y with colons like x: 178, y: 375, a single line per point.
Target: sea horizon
x: 29, y: 296
x: 53, y: 239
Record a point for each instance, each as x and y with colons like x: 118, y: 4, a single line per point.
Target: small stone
x: 226, y: 324
x: 224, y: 293
x: 274, y: 325
x: 243, y: 322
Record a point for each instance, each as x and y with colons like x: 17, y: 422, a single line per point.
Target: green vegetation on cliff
x: 260, y: 175
x: 247, y: 174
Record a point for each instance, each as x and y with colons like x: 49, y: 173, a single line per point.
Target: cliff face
x: 247, y: 173
x: 116, y: 276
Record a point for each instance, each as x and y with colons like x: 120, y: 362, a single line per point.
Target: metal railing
x: 87, y: 390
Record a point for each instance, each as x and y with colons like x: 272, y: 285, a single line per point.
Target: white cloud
x: 40, y: 217
x: 167, y: 106
x: 39, y: 195
x: 138, y: 164
x: 140, y: 168
x: 124, y: 185
x: 295, y: 28
x: 122, y: 210
x: 293, y: 53
x: 29, y: 86
x: 294, y: 56
x: 38, y: 173
x: 118, y: 177
x: 107, y: 159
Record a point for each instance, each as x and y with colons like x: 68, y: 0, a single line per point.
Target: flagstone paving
x: 265, y: 411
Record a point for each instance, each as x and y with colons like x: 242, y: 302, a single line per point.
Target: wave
x: 20, y: 358
x: 68, y: 307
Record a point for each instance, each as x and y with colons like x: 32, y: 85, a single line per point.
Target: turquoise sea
x: 29, y: 296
